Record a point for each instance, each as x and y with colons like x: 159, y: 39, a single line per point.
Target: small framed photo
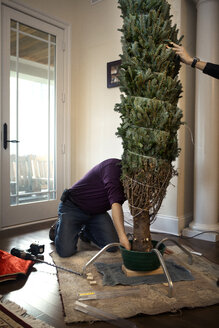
x: 112, y: 73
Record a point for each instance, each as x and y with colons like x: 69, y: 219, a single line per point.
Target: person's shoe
x: 82, y: 236
x: 52, y: 231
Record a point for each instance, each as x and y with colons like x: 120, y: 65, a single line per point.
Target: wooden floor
x: 39, y: 293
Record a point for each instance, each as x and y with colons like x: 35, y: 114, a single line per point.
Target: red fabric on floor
x: 11, y: 265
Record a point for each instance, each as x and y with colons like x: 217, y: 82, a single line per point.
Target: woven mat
x: 13, y: 316
x: 152, y: 299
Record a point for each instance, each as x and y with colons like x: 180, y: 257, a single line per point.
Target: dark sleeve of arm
x: 212, y: 70
x: 113, y: 184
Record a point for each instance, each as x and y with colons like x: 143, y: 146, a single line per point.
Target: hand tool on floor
x: 28, y: 256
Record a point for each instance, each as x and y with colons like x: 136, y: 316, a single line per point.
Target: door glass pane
x: 33, y: 32
x: 32, y: 115
x: 52, y: 138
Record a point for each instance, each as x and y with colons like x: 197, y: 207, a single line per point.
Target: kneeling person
x: 84, y: 207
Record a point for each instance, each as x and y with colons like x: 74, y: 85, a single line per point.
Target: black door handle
x: 5, y: 136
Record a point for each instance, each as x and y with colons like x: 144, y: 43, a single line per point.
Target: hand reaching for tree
x: 181, y: 51
x: 187, y: 59
x: 125, y: 242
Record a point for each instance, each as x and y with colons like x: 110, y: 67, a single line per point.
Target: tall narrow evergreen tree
x: 148, y: 109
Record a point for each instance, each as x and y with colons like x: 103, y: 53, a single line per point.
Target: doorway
x: 32, y: 121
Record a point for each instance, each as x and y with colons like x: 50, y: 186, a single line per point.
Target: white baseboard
x: 203, y: 235
x: 28, y: 224
x: 171, y: 224
x: 163, y: 223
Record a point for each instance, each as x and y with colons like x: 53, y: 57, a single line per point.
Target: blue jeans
x: 98, y: 228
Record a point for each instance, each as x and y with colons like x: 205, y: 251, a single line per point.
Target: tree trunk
x: 142, y: 235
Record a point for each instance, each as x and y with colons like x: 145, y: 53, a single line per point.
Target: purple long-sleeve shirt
x: 99, y: 188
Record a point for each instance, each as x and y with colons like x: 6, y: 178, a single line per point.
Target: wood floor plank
x: 39, y: 294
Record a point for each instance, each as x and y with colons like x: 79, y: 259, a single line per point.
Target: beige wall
x: 96, y: 120
x: 178, y: 203
x: 179, y: 200
x: 94, y: 42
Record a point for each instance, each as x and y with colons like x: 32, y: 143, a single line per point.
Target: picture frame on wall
x: 112, y: 73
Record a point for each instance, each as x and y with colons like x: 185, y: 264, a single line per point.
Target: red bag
x: 11, y: 266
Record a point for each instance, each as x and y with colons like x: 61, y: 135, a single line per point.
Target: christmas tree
x: 148, y: 109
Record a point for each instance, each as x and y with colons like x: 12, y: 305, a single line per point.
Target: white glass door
x: 32, y: 167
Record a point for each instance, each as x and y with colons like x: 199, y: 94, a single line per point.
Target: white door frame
x: 66, y: 147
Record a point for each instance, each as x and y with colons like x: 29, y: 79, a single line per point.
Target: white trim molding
x: 171, y: 224
x: 203, y: 235
x: 19, y: 6
x: 163, y: 223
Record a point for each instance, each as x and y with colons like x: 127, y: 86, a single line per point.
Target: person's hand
x: 125, y: 242
x: 181, y: 51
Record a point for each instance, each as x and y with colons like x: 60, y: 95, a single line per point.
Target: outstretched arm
x: 185, y: 57
x: 118, y: 220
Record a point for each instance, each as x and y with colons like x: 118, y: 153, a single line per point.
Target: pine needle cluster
x: 149, y: 85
